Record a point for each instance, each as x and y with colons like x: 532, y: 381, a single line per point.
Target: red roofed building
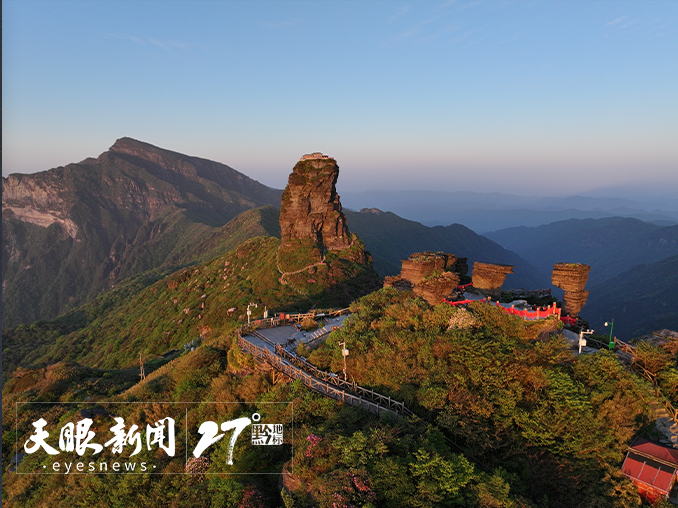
x: 652, y: 468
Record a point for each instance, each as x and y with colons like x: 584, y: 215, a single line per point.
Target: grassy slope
x: 112, y: 330
x: 262, y: 221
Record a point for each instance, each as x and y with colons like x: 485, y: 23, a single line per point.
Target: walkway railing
x: 351, y: 386
x: 630, y: 352
x: 533, y: 314
x: 284, y: 319
x: 540, y: 313
x: 322, y: 387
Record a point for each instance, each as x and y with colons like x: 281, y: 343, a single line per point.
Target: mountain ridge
x: 591, y: 241
x: 76, y: 230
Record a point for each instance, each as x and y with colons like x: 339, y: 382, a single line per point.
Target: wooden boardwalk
x: 264, y: 339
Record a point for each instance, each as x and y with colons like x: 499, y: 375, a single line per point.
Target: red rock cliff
x: 310, y: 207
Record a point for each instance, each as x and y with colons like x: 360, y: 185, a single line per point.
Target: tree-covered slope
x: 116, y: 327
x: 71, y: 232
x: 506, y: 416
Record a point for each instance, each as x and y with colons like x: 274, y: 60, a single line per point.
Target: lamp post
x: 344, y: 353
x: 582, y: 340
x: 611, y: 325
x: 249, y: 312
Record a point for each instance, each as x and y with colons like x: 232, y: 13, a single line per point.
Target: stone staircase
x: 667, y: 427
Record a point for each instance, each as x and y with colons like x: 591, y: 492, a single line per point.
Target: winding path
x: 264, y: 340
x: 285, y: 282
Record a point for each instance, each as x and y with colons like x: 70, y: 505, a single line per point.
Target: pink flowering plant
x: 313, y: 442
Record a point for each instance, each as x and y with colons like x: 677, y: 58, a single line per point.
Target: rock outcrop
x: 421, y: 265
x: 318, y: 256
x: 431, y: 275
x: 310, y: 208
x: 571, y: 278
x: 435, y: 289
x: 488, y: 278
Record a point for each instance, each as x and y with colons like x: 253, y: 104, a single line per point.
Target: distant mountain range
x: 391, y: 238
x: 634, y: 268
x: 72, y: 232
x: 611, y: 246
x: 484, y: 212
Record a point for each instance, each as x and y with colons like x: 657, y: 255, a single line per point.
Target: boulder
x: 488, y: 278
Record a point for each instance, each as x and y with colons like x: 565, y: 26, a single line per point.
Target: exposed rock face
x: 423, y: 264
x: 488, y: 278
x: 71, y: 232
x: 310, y: 207
x: 431, y: 275
x: 435, y: 289
x: 318, y: 256
x: 571, y: 277
x: 396, y: 281
x: 418, y: 267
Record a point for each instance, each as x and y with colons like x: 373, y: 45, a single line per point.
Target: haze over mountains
x: 483, y: 212
x: 72, y: 232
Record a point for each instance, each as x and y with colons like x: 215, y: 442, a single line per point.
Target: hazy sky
x: 529, y: 97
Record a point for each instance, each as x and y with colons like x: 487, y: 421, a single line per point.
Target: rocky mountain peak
x: 310, y: 206
x: 133, y: 146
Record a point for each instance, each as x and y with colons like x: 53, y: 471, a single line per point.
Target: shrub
x: 308, y: 324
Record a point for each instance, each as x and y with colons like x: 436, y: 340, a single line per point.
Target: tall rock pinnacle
x: 572, y: 277
x: 310, y: 207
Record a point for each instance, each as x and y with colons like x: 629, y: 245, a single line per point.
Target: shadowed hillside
x: 74, y: 231
x: 641, y: 300
x: 391, y: 238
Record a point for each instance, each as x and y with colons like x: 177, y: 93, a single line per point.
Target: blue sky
x: 529, y: 97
